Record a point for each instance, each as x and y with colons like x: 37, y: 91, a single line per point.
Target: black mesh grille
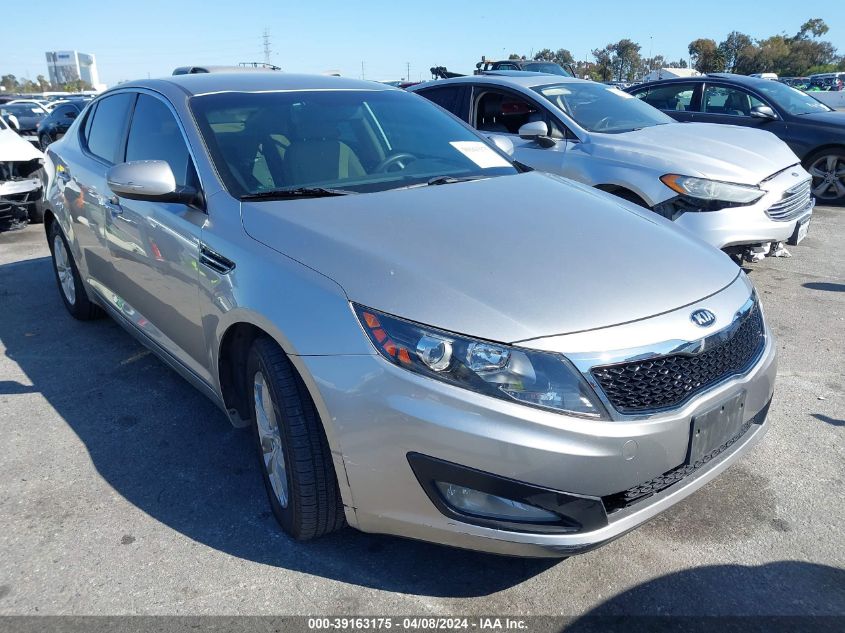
x: 643, y: 491
x: 668, y: 381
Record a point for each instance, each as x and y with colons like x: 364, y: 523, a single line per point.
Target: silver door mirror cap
x: 763, y: 112
x: 150, y: 180
x: 503, y: 143
x: 534, y: 129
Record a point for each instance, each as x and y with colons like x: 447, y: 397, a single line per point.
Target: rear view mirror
x: 537, y: 131
x: 149, y: 180
x: 763, y: 112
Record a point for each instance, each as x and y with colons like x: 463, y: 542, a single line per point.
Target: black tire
x: 818, y: 165
x: 36, y: 210
x: 79, y: 306
x: 313, y: 506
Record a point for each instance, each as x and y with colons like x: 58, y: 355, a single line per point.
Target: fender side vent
x: 215, y: 261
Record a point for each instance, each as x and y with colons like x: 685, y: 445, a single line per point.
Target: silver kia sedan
x: 739, y: 189
x: 427, y: 339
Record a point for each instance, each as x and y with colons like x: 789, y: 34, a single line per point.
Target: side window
x: 447, y: 97
x: 505, y: 113
x: 107, y: 129
x: 155, y: 135
x: 728, y: 100
x: 671, y: 97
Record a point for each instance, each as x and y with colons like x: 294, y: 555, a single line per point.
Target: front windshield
x: 600, y: 108
x: 354, y: 140
x: 789, y: 99
x: 546, y: 67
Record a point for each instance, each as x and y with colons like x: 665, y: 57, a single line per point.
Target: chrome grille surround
x: 794, y: 203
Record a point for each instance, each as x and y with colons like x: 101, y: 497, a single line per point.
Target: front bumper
x: 750, y: 225
x: 377, y: 414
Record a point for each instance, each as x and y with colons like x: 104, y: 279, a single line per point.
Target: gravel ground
x: 124, y: 491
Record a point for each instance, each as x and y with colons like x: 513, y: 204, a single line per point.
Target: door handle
x: 114, y: 207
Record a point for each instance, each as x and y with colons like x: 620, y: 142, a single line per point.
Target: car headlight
x: 538, y: 379
x: 704, y: 189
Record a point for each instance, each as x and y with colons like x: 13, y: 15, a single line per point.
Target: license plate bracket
x: 715, y: 426
x: 801, y: 230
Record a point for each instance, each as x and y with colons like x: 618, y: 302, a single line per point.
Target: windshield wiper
x: 297, y: 192
x: 448, y: 180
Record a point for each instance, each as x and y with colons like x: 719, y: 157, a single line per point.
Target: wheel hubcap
x: 828, y: 174
x: 270, y: 437
x: 63, y: 269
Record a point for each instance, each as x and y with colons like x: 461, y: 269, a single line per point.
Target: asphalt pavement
x: 124, y: 491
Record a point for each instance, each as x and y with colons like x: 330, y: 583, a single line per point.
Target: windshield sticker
x: 480, y: 154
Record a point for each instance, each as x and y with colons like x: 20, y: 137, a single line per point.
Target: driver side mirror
x: 763, y: 112
x: 149, y: 180
x: 537, y: 131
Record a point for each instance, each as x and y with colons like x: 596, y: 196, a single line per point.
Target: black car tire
x: 79, y: 306
x: 312, y: 505
x: 818, y: 165
x: 36, y: 211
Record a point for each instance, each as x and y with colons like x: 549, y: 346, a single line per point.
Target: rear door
x: 155, y: 246
x: 679, y: 100
x: 82, y: 182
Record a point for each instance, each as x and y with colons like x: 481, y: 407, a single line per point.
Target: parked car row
x: 740, y: 190
x: 428, y: 337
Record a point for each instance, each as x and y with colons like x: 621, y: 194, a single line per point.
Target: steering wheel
x: 399, y: 158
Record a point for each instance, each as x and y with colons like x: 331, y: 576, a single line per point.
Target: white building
x: 670, y: 73
x: 65, y: 66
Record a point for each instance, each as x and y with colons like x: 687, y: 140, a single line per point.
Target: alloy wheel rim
x: 828, y: 174
x: 63, y: 270
x: 270, y: 438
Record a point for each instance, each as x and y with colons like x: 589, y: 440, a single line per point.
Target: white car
x: 21, y: 167
x: 741, y: 190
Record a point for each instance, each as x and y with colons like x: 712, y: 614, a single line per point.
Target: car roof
x: 521, y: 79
x: 730, y: 77
x: 258, y: 81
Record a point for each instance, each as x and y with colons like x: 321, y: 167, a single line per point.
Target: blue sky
x: 132, y: 40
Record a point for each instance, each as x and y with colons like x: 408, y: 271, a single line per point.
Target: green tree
x: 604, y: 62
x: 706, y: 57
x: 545, y: 55
x: 626, y: 59
x: 735, y: 48
x: 9, y: 82
x: 814, y: 26
x: 514, y: 56
x: 43, y: 84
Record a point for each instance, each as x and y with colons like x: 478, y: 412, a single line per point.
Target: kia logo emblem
x: 703, y: 318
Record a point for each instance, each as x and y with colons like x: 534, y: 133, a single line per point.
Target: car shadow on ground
x: 168, y: 450
x: 780, y: 596
x: 825, y: 285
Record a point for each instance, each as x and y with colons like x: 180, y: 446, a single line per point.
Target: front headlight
x: 712, y: 189
x: 538, y: 379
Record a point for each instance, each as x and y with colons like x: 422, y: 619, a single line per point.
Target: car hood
x: 14, y: 148
x: 505, y: 259
x: 835, y: 119
x: 719, y: 152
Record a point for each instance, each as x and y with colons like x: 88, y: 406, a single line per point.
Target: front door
x: 155, y: 246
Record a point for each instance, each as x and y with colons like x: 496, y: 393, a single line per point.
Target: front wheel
x: 67, y: 277
x: 827, y: 167
x: 294, y: 455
